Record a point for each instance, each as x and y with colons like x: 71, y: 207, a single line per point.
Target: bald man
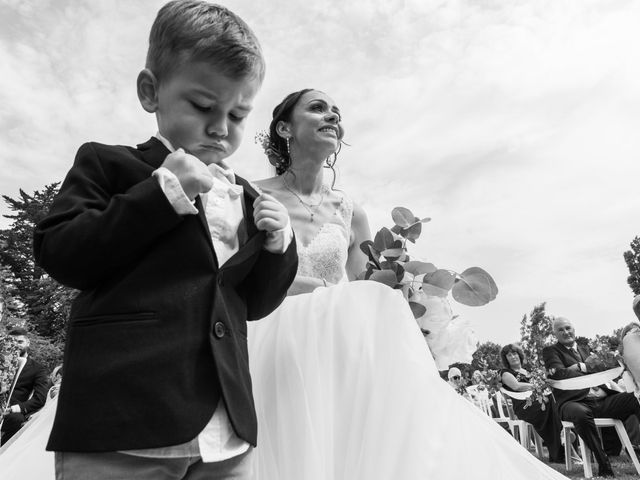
x: 567, y: 359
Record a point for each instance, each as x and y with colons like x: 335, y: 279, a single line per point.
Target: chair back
x: 501, y: 404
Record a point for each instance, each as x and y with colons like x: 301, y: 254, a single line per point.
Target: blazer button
x: 219, y: 329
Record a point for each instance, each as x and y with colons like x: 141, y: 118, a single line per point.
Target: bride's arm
x: 360, y: 231
x: 303, y: 284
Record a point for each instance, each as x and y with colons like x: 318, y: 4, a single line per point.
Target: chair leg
x: 568, y: 460
x: 537, y: 440
x: 586, y: 458
x: 624, y: 438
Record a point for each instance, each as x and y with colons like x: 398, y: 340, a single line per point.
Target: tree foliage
x: 536, y: 332
x: 632, y: 259
x: 28, y: 294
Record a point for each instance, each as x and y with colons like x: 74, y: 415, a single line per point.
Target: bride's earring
x: 289, y: 148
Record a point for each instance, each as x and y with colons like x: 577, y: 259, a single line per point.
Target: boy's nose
x: 217, y: 127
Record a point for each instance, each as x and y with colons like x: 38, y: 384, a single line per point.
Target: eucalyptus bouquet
x: 604, y: 354
x: 390, y: 263
x: 541, y: 389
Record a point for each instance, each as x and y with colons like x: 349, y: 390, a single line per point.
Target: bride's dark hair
x: 277, y: 150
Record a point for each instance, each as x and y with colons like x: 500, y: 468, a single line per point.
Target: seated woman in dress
x: 545, y: 420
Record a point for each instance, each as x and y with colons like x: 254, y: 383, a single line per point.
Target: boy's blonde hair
x: 196, y: 31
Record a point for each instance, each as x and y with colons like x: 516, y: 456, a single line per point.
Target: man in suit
x: 30, y: 391
x: 567, y: 359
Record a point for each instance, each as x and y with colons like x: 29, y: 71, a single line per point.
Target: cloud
x: 512, y: 124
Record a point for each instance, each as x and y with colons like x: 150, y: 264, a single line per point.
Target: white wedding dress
x: 346, y: 388
x: 24, y: 457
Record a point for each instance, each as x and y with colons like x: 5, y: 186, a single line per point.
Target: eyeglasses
x: 455, y: 377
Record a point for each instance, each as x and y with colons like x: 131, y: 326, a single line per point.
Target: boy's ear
x: 283, y: 129
x: 147, y: 85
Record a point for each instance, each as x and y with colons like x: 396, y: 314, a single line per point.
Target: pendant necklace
x: 309, y: 207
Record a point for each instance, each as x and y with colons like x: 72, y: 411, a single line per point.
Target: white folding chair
x: 526, y: 434
x: 587, y: 381
x: 585, y: 452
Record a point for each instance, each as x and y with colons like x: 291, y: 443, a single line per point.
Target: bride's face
x: 316, y: 124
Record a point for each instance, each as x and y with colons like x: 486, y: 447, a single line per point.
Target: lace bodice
x: 326, y: 255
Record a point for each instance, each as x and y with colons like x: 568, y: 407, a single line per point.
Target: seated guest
x: 545, y: 421
x: 55, y: 378
x: 566, y: 359
x: 30, y: 391
x: 455, y: 378
x: 479, y: 392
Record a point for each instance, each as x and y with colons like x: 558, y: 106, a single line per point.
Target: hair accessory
x: 276, y: 158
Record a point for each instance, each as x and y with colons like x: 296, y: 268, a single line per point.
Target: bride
x: 344, y: 383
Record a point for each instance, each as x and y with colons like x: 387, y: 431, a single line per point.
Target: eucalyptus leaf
x: 397, y: 230
x: 387, y: 277
x: 384, y: 239
x: 399, y: 272
x: 418, y: 309
x: 417, y: 267
x: 392, y: 252
x: 479, y: 271
x: 474, y: 288
x: 402, y: 217
x: 413, y: 232
x: 443, y: 279
x: 366, y: 246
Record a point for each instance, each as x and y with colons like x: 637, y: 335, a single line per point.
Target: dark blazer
x: 158, y: 334
x: 32, y: 385
x: 557, y: 359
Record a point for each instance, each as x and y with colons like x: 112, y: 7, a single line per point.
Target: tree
x: 17, y: 240
x: 11, y: 305
x: 487, y: 357
x: 536, y: 332
x: 632, y: 258
x: 46, y: 301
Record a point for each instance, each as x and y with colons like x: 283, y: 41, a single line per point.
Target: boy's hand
x: 193, y: 175
x: 269, y: 214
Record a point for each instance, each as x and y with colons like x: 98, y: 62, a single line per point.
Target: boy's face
x: 204, y: 111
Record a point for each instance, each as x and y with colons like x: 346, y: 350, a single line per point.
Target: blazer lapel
x: 154, y: 152
x: 202, y: 220
x: 250, y: 195
x: 250, y: 238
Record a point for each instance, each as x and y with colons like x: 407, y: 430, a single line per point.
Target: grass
x: 622, y: 467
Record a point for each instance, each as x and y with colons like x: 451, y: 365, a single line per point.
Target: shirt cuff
x: 172, y: 189
x: 583, y: 367
x: 15, y: 408
x: 279, y: 240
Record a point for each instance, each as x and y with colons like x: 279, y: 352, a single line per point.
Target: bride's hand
x: 303, y: 284
x: 269, y: 214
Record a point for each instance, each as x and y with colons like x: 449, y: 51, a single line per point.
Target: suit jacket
x: 557, y: 359
x: 158, y: 334
x: 32, y: 385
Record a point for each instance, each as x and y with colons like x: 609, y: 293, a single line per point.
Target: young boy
x: 172, y: 254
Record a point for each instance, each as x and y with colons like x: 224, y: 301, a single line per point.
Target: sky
x: 513, y: 125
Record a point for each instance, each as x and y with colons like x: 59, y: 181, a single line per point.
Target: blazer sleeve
x: 40, y: 389
x: 269, y: 280
x: 556, y: 362
x: 92, y: 230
